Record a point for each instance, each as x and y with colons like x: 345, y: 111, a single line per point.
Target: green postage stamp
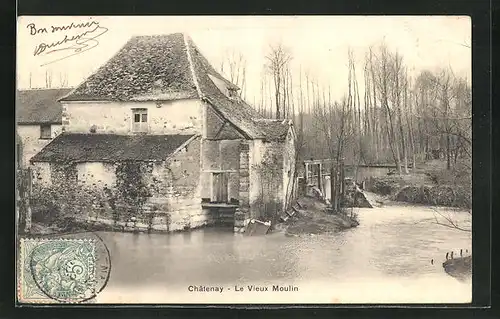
x: 57, y: 270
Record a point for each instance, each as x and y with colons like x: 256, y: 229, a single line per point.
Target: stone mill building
x: 156, y: 138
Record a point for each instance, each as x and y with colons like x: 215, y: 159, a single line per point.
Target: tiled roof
x: 36, y: 106
x: 146, y: 67
x: 159, y: 68
x: 109, y: 148
x: 236, y: 111
x: 274, y: 130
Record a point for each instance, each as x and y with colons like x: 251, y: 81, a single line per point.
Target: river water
x: 386, y: 259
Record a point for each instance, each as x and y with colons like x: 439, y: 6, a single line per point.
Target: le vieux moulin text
x: 249, y: 288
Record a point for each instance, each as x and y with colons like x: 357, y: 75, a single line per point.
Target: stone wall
x: 289, y: 167
x: 169, y: 117
x: 162, y: 196
x: 266, y: 179
x: 244, y: 178
x: 96, y: 173
x: 364, y: 173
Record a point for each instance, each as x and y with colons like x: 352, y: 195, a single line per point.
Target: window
x: 220, y: 187
x: 139, y: 120
x: 223, y: 87
x: 233, y: 94
x: 45, y: 131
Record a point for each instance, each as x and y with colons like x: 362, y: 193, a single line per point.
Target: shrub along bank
x: 430, y: 187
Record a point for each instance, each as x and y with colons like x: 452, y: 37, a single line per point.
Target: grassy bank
x: 430, y: 184
x: 314, y: 218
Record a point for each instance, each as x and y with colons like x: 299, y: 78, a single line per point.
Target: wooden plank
x: 224, y: 188
x: 284, y: 218
x: 256, y: 227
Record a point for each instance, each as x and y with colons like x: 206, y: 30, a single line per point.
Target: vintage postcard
x: 244, y: 159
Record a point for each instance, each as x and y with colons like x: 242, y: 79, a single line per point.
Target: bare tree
x: 373, y: 102
x: 354, y: 102
x: 333, y: 121
x: 233, y: 66
x: 446, y: 112
x: 261, y: 104
x: 277, y: 62
x: 383, y: 74
x: 48, y: 79
x: 63, y: 79
x: 447, y: 220
x: 409, y: 118
x: 301, y: 104
x: 399, y: 77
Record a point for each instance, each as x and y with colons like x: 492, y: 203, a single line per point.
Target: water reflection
x: 391, y: 245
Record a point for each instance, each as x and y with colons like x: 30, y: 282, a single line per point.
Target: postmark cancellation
x: 57, y: 270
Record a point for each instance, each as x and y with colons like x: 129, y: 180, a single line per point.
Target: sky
x: 318, y: 44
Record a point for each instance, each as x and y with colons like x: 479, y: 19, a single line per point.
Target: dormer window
x: 140, y: 120
x: 223, y: 87
x: 232, y: 94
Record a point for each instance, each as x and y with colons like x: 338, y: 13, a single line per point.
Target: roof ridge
x: 136, y: 55
x: 85, y: 79
x: 191, y: 66
x: 157, y: 35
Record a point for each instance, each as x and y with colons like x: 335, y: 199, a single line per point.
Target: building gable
x: 171, y: 67
x: 219, y: 128
x: 229, y: 132
x: 214, y: 123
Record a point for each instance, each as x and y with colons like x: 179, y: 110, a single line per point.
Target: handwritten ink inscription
x: 75, y: 38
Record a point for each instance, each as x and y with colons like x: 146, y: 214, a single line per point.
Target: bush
x: 414, y: 194
x: 51, y: 204
x: 459, y: 175
x: 44, y: 207
x: 441, y: 195
x: 447, y: 195
x: 385, y: 185
x: 410, y: 194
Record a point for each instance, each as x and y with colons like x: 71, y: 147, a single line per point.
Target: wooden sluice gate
x: 316, y: 177
x: 316, y: 181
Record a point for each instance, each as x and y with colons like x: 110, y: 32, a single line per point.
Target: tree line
x: 398, y: 116
x: 49, y: 83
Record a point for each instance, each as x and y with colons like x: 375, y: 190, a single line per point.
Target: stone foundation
x: 157, y: 222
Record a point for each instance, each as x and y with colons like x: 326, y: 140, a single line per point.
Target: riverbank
x: 313, y: 218
x: 430, y: 184
x: 459, y: 268
x: 42, y: 229
x: 392, y: 246
x: 75, y: 226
